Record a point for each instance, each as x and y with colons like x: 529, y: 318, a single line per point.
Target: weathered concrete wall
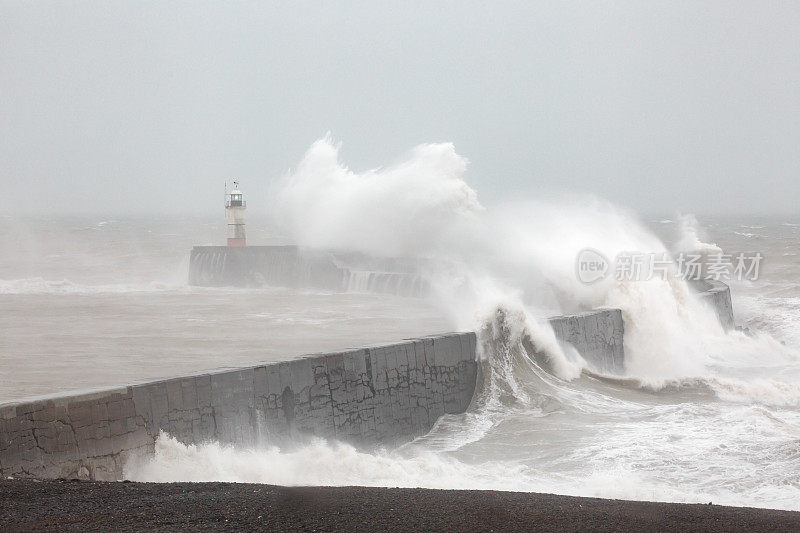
x: 282, y: 266
x: 718, y: 295
x: 597, y: 335
x: 378, y: 394
x: 290, y: 266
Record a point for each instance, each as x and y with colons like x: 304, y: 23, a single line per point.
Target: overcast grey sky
x: 150, y: 106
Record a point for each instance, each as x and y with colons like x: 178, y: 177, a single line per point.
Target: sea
x: 698, y: 415
x: 89, y: 302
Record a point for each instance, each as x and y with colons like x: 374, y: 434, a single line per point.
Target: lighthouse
x: 234, y: 212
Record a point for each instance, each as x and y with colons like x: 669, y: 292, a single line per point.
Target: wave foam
x: 45, y: 286
x: 335, y: 464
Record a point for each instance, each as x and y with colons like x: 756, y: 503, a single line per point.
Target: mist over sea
x: 97, y: 301
x: 475, y: 153
x: 700, y: 414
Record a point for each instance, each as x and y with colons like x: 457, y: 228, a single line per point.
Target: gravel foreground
x: 27, y: 505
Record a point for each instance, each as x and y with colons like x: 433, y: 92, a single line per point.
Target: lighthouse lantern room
x: 234, y: 211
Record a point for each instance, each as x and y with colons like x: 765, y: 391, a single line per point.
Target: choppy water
x: 89, y: 302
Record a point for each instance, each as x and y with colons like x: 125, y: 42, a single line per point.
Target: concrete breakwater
x: 291, y: 266
x: 717, y: 295
x: 597, y: 335
x: 374, y: 395
x: 377, y: 395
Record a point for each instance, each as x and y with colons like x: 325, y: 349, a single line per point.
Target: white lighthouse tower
x: 234, y: 212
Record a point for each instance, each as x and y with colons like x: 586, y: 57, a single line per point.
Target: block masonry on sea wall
x: 598, y: 335
x: 279, y: 266
x: 290, y: 266
x: 383, y: 394
x: 375, y: 395
x: 717, y: 295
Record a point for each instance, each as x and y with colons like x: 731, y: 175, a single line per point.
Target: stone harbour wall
x: 377, y: 395
x: 374, y: 395
x: 291, y: 266
x: 255, y: 266
x: 718, y: 295
x: 597, y: 335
